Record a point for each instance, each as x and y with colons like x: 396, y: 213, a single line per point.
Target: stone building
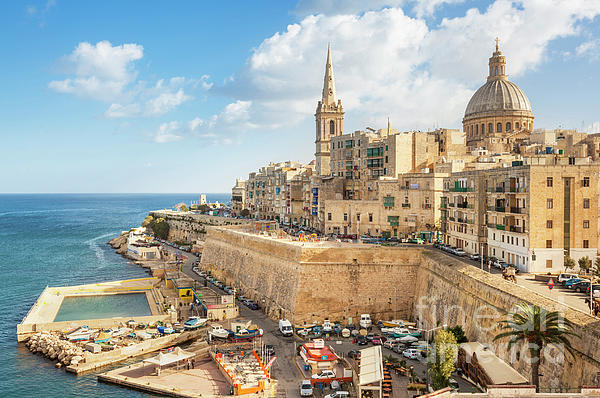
x: 238, y: 197
x: 499, y: 113
x: 530, y: 215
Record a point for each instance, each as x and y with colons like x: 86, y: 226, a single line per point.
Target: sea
x: 57, y: 240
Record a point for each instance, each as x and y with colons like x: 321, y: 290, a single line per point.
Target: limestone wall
x: 189, y: 227
x: 309, y: 282
x: 451, y: 292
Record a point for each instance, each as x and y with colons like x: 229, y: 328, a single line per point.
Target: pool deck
x: 42, y: 314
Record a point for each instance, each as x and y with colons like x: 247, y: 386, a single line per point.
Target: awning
x: 171, y: 357
x: 371, y: 366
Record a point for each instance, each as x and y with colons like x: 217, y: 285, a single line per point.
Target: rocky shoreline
x: 53, y: 347
x: 120, y: 244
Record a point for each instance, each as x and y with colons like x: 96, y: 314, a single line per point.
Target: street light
x: 444, y: 326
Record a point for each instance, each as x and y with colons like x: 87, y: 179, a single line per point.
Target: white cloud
x: 387, y: 63
x: 107, y: 73
x: 100, y: 71
x: 166, y: 102
x: 590, y: 49
x: 168, y: 132
x: 346, y: 7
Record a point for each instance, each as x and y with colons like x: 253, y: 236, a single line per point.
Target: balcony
x: 517, y: 210
x: 499, y: 189
x: 407, y: 205
x: 516, y: 229
x: 426, y: 206
x: 462, y: 205
x: 451, y: 204
x: 518, y: 189
x: 501, y: 227
x: 444, y: 206
x: 451, y: 218
x: 460, y: 189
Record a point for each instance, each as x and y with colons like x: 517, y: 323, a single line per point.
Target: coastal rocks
x: 120, y: 243
x: 53, y: 347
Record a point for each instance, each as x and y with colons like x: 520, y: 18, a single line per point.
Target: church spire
x: 497, y: 64
x: 328, y: 83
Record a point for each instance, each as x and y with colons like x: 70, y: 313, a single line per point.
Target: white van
x: 365, y: 321
x: 285, y: 327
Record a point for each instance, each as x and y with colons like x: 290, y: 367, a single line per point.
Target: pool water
x: 76, y: 308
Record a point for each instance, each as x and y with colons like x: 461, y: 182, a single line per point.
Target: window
x: 586, y: 181
x: 549, y: 203
x: 549, y: 244
x: 586, y: 203
x: 507, y: 126
x: 571, y: 160
x: 517, y: 125
x: 586, y: 223
x: 345, y: 216
x: 586, y: 244
x: 332, y: 127
x: 549, y: 224
x: 490, y: 128
x: 476, y: 129
x: 386, y: 159
x: 548, y: 263
x: 499, y: 127
x: 549, y: 181
x: 328, y: 216
x: 502, y: 238
x: 370, y: 217
x: 357, y: 216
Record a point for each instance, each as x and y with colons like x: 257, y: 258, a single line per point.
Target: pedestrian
x: 193, y: 362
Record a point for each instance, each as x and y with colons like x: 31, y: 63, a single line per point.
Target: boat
x: 142, y: 326
x: 83, y: 334
x: 132, y: 324
x: 305, y: 326
x: 345, y: 332
x: 165, y: 330
x: 218, y: 332
x: 102, y: 337
x: 401, y: 332
x: 194, y: 323
x: 395, y: 323
x: 133, y: 335
x: 244, y: 334
x: 327, y: 326
x: 144, y: 335
x: 116, y: 332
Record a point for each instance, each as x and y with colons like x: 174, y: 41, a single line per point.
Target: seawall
x: 188, y: 227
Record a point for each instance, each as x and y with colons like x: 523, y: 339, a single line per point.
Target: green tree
x: 569, y: 263
x: 585, y: 264
x: 596, y: 268
x: 536, y: 328
x: 160, y: 228
x: 459, y: 334
x: 147, y: 221
x: 183, y: 207
x: 442, y: 359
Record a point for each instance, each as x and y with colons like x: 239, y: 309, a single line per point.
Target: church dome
x: 495, y: 97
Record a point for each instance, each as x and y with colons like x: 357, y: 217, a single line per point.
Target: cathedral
x: 498, y: 116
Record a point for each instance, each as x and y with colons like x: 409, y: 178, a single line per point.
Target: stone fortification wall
x: 451, y: 292
x: 189, y: 227
x: 308, y: 282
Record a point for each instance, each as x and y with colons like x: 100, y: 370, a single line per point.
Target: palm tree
x: 536, y: 327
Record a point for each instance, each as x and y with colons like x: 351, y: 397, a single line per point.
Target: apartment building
x: 238, y: 197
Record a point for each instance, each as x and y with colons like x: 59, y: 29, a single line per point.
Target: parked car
x: 411, y: 353
x: 361, y: 340
x: 581, y: 286
x: 370, y: 336
x: 562, y: 278
x: 251, y: 304
x: 389, y: 344
x: 569, y: 283
x: 475, y: 257
x: 306, y: 389
x: 378, y: 340
x: 460, y: 253
x: 338, y: 394
x: 354, y: 354
x: 513, y: 266
x: 325, y: 374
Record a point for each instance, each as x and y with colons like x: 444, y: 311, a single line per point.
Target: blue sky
x: 186, y: 96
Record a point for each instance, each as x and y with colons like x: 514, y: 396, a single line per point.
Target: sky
x: 187, y: 96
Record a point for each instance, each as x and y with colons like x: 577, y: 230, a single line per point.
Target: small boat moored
x: 218, y: 332
x: 194, y: 322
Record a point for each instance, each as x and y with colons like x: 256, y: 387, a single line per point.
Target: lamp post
x: 427, y: 351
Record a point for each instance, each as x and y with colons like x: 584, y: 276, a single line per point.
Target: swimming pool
x: 77, y: 308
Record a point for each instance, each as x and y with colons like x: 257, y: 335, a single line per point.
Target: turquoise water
x: 77, y: 308
x: 57, y: 240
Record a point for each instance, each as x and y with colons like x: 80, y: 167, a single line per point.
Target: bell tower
x: 329, y: 119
